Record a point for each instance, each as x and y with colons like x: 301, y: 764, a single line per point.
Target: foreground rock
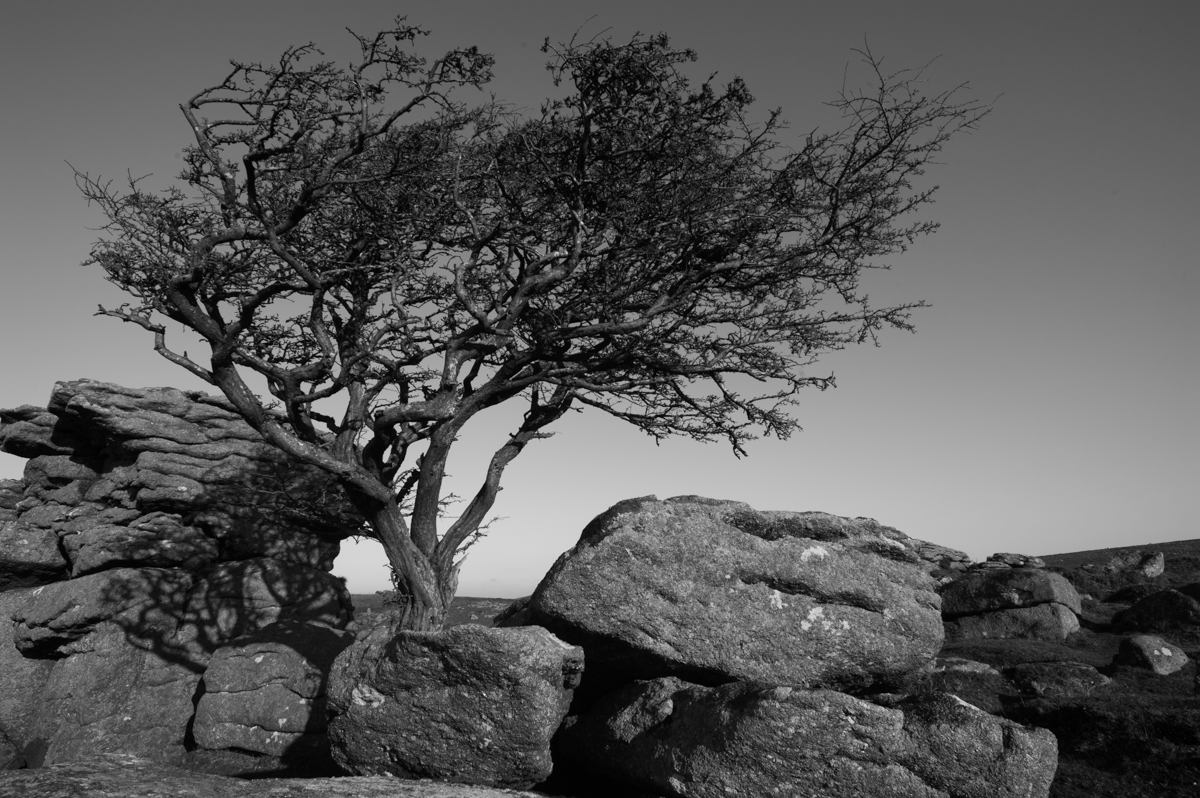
x: 714, y: 591
x: 1151, y: 652
x: 126, y: 776
x: 265, y: 692
x: 1004, y: 602
x: 468, y: 704
x: 151, y: 528
x: 752, y: 740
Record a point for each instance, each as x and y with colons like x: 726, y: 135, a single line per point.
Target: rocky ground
x: 1137, y: 736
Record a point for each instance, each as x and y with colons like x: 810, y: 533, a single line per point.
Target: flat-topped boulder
x: 715, y: 591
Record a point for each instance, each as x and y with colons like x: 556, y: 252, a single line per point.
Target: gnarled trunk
x: 423, y: 589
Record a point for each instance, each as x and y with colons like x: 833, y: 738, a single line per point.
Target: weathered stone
x: 265, y: 691
x: 468, y: 704
x: 1151, y: 652
x: 1056, y: 679
x: 714, y: 591
x: 29, y: 431
x: 21, y: 678
x: 178, y: 485
x: 11, y: 493
x: 62, y: 618
x: 164, y: 451
x: 28, y: 556
x: 1052, y: 622
x: 127, y: 776
x: 753, y: 740
x: 1017, y: 560
x: 130, y: 692
x: 1164, y: 611
x: 1149, y: 564
x: 1006, y: 589
x: 154, y: 540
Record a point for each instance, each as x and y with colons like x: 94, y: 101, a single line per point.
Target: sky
x: 1047, y: 402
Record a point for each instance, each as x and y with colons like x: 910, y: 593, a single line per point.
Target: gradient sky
x: 1047, y: 402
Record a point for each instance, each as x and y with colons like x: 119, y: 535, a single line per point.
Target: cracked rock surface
x: 714, y: 591
x: 746, y: 740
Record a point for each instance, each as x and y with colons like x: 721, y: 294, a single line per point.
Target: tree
x: 640, y: 247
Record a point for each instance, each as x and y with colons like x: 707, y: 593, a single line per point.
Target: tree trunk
x: 423, y: 590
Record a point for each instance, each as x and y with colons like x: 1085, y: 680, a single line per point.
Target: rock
x: 132, y: 643
x: 28, y: 556
x: 107, y: 462
x: 715, y: 591
x: 743, y: 739
x: 469, y: 704
x: 62, y: 618
x: 165, y: 505
x: 1053, y: 622
x: 153, y: 540
x: 116, y: 696
x: 1017, y: 560
x: 1059, y: 679
x: 265, y: 692
x: 1006, y: 589
x: 12, y: 491
x: 127, y: 776
x: 21, y: 679
x: 1148, y: 564
x: 1164, y: 611
x: 1151, y: 652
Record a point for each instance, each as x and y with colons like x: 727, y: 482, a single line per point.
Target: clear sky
x: 1047, y: 402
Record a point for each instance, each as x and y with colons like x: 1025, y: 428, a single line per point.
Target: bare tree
x: 640, y: 246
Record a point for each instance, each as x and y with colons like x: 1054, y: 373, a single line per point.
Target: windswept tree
x: 358, y: 238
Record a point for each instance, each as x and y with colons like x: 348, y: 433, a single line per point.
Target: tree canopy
x: 641, y: 246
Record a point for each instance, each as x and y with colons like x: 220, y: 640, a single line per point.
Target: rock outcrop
x: 152, y: 527
x: 679, y: 739
x: 714, y: 591
x: 1004, y: 602
x: 468, y: 704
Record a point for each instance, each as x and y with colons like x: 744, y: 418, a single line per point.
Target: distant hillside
x: 1180, y: 555
x: 465, y: 609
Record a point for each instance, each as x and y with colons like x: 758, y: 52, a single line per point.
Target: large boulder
x: 469, y: 704
x: 1152, y: 653
x: 1006, y: 589
x: 1004, y: 602
x: 679, y: 739
x: 1052, y: 622
x: 714, y: 591
x: 265, y: 692
x: 1164, y: 611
